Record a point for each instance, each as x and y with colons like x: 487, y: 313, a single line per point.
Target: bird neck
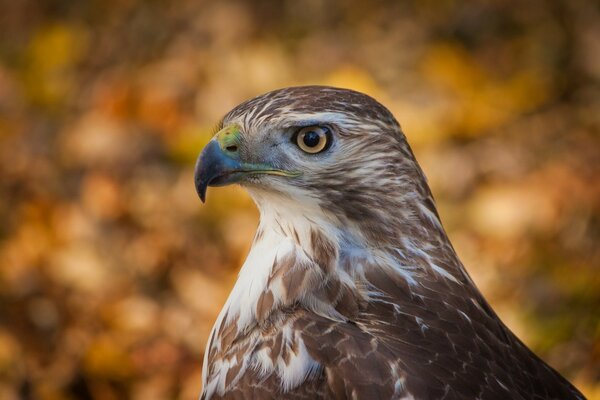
x: 291, y: 249
x: 302, y: 256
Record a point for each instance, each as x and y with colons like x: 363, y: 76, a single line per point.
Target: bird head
x: 333, y: 150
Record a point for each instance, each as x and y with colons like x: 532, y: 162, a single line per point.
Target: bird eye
x: 313, y: 139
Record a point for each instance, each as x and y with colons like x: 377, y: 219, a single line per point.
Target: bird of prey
x: 352, y: 289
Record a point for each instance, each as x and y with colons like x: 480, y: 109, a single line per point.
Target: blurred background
x: 112, y: 272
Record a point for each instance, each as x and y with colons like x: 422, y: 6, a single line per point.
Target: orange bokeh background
x: 112, y: 272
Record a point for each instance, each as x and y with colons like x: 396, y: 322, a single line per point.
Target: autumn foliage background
x: 112, y: 272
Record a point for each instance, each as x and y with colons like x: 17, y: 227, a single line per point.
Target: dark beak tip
x: 200, y: 182
x: 201, y: 187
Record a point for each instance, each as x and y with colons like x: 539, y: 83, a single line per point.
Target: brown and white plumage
x: 352, y: 288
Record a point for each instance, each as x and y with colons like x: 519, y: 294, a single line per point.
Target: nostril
x: 231, y: 148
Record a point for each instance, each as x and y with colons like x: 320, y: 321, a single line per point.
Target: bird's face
x: 270, y: 156
x: 335, y: 148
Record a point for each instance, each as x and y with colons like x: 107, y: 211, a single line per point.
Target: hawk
x: 352, y: 289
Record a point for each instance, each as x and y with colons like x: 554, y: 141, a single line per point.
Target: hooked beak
x: 214, y: 168
x: 219, y: 163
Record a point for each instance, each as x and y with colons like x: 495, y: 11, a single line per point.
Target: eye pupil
x: 311, y: 139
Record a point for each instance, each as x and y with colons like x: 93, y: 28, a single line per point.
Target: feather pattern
x: 352, y: 288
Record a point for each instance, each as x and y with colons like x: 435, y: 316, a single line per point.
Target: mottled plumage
x: 352, y: 288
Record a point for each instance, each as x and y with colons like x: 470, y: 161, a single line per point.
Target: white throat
x: 283, y: 229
